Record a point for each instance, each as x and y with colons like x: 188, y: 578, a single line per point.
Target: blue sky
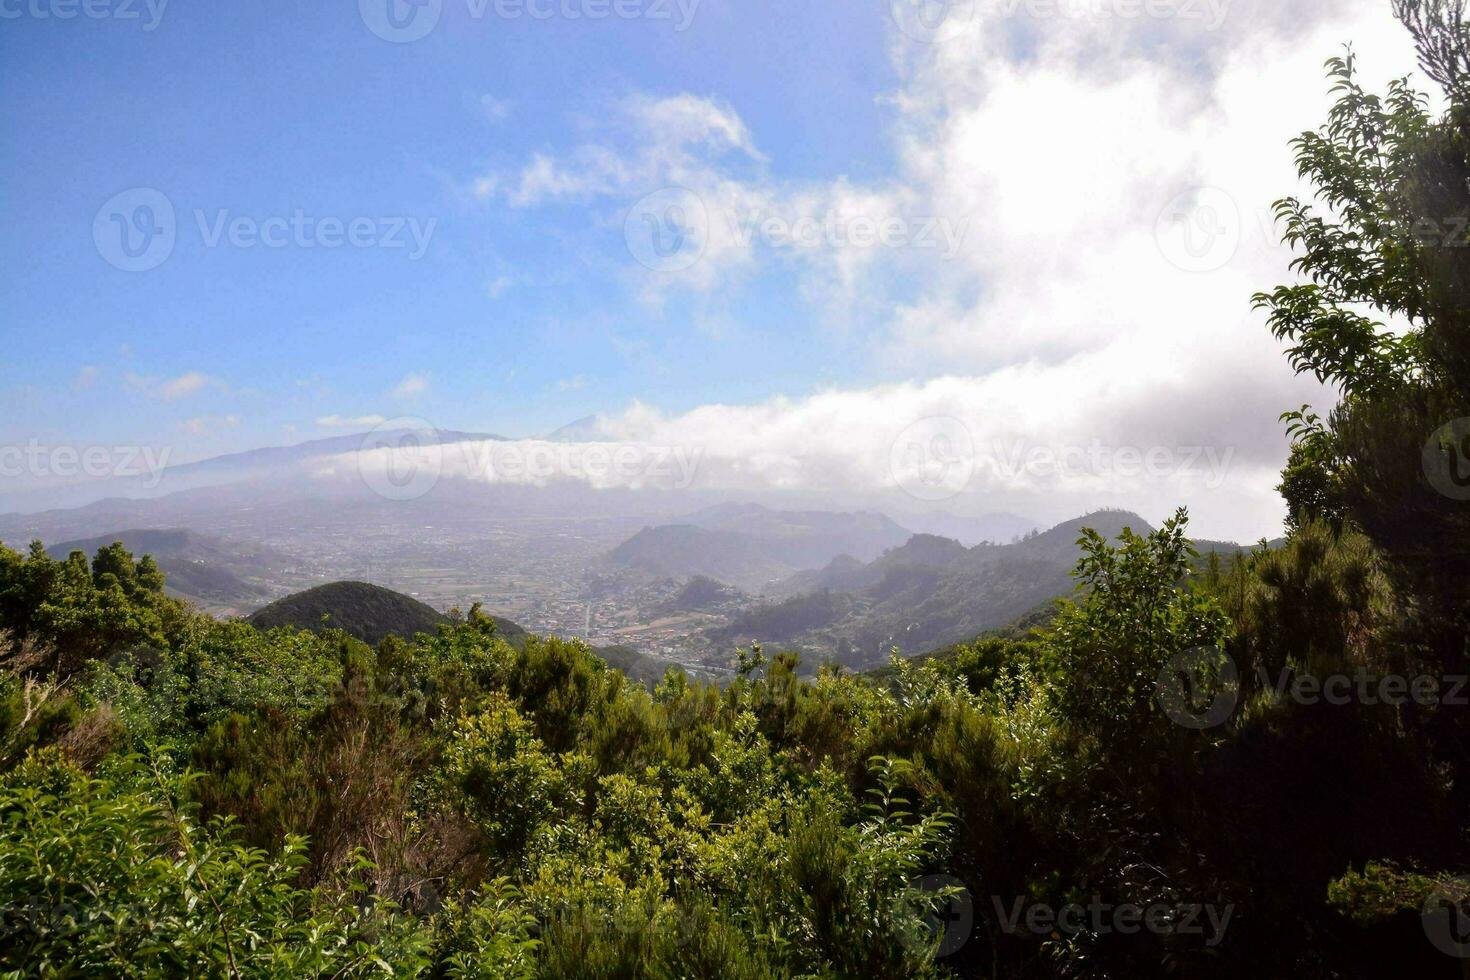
x: 520, y: 320
x: 788, y: 235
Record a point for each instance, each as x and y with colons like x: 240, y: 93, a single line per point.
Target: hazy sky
x: 798, y: 235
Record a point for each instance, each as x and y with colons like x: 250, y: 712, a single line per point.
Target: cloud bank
x: 1105, y: 177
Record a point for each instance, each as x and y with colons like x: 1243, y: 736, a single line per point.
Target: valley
x: 624, y: 570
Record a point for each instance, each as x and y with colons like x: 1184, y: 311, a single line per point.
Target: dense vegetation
x: 1165, y: 779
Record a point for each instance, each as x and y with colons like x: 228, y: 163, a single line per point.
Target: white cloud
x: 86, y: 377
x: 883, y: 447
x: 690, y: 164
x: 414, y: 383
x: 350, y: 421
x: 663, y: 141
x: 1073, y: 309
x: 485, y: 187
x: 185, y: 385
x: 205, y: 424
x: 495, y: 109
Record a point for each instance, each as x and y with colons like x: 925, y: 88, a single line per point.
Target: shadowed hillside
x: 368, y: 612
x: 926, y: 594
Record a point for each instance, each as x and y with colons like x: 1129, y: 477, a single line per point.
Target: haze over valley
x: 677, y: 574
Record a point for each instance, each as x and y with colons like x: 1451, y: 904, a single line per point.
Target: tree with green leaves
x: 1382, y: 312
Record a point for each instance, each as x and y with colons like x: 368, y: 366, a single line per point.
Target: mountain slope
x: 216, y: 573
x: 928, y: 593
x: 368, y: 612
x: 754, y: 547
x: 152, y: 478
x: 371, y: 612
x: 686, y: 551
x: 805, y: 538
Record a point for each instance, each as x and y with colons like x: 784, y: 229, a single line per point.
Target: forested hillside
x: 368, y: 612
x: 928, y: 593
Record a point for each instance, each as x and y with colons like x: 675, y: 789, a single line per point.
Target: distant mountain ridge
x: 328, y: 446
x: 751, y: 546
x: 925, y: 594
x: 997, y: 527
x: 215, y: 573
x: 585, y: 429
x: 686, y: 551
x: 230, y: 468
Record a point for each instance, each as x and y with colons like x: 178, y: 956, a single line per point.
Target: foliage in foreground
x: 212, y: 800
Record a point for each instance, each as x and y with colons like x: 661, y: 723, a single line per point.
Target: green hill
x: 368, y: 612
x: 371, y: 612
